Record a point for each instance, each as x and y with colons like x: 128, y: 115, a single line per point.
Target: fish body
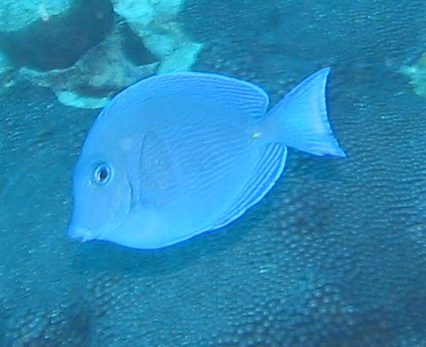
x: 179, y: 154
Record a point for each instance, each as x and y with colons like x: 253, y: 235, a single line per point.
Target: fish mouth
x: 80, y: 233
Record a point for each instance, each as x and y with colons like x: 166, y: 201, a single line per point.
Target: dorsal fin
x: 245, y: 95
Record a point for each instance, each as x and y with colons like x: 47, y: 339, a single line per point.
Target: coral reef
x: 78, y: 48
x: 16, y: 15
x: 58, y: 41
x: 333, y: 257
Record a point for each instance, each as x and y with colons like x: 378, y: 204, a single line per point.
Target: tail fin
x: 302, y: 118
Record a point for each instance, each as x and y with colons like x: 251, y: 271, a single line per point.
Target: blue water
x: 335, y: 255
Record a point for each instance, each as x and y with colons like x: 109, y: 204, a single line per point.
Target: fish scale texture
x: 333, y: 256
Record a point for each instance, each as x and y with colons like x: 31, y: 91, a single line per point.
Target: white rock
x: 16, y: 14
x: 155, y: 22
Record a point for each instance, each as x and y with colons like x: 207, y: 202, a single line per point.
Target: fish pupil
x: 102, y: 174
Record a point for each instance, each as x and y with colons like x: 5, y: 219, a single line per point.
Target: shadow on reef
x: 58, y: 42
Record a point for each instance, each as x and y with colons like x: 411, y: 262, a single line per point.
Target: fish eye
x: 102, y: 174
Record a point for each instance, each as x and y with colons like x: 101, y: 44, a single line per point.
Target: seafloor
x: 334, y: 256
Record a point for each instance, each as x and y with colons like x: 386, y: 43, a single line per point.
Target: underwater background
x: 335, y: 255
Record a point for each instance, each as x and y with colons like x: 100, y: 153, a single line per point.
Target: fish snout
x: 80, y: 233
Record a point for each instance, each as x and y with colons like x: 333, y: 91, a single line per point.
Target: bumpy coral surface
x: 333, y: 256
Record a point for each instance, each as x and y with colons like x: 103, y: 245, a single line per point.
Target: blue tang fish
x: 179, y: 154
